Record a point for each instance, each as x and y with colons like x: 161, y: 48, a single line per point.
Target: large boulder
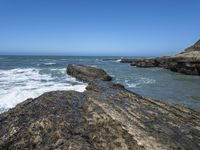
x: 87, y: 73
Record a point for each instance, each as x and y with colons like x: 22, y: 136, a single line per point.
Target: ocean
x: 23, y: 77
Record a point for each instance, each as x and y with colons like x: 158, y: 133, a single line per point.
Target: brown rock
x: 87, y: 73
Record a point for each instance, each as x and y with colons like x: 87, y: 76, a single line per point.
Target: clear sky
x: 98, y: 27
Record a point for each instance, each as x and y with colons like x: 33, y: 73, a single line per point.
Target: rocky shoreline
x: 186, y: 62
x: 105, y: 116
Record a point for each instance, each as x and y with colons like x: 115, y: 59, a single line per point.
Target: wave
x: 118, y: 60
x: 47, y: 64
x: 95, y: 66
x: 17, y: 85
x: 139, y: 81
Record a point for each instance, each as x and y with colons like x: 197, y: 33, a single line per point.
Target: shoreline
x: 186, y: 62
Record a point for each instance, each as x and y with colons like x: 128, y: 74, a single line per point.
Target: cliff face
x: 192, y: 52
x: 195, y: 47
x: 187, y: 62
x: 106, y: 116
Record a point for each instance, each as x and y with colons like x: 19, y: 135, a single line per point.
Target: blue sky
x: 98, y: 27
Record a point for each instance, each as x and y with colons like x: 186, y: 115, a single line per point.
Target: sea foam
x: 139, y: 81
x: 17, y: 85
x: 47, y: 64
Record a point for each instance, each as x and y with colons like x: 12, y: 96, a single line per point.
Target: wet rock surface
x: 87, y: 73
x: 105, y: 116
x: 186, y: 62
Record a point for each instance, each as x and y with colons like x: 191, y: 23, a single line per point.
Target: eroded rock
x: 87, y: 73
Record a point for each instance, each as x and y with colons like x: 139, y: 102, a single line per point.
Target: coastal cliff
x: 186, y: 62
x: 104, y: 116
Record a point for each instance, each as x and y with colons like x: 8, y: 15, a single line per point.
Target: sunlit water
x: 23, y: 77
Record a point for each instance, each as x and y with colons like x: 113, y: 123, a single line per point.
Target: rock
x: 192, y: 54
x: 195, y: 47
x: 105, y: 116
x: 108, y: 118
x: 187, y: 62
x: 127, y: 60
x: 87, y: 73
x: 145, y: 63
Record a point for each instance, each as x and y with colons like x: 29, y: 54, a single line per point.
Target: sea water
x: 23, y: 77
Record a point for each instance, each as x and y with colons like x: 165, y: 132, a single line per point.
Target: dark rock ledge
x: 104, y: 117
x: 186, y: 62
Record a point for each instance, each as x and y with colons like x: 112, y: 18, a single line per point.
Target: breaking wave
x: 17, y: 85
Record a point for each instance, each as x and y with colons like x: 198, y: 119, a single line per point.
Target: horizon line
x: 65, y: 55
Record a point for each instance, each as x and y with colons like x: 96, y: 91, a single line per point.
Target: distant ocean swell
x: 47, y: 64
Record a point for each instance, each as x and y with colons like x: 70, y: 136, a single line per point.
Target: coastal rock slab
x: 106, y: 116
x: 87, y: 73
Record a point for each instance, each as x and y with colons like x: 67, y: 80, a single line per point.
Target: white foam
x: 93, y: 66
x: 145, y: 80
x: 131, y: 85
x: 139, y: 81
x: 47, y: 64
x: 17, y: 85
x: 118, y: 60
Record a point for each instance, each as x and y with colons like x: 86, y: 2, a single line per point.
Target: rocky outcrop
x: 105, y: 116
x: 177, y: 64
x: 195, y: 47
x: 87, y: 73
x: 187, y: 62
x: 191, y: 52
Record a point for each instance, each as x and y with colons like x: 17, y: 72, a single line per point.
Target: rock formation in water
x: 87, y: 73
x: 104, y: 117
x: 186, y: 62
